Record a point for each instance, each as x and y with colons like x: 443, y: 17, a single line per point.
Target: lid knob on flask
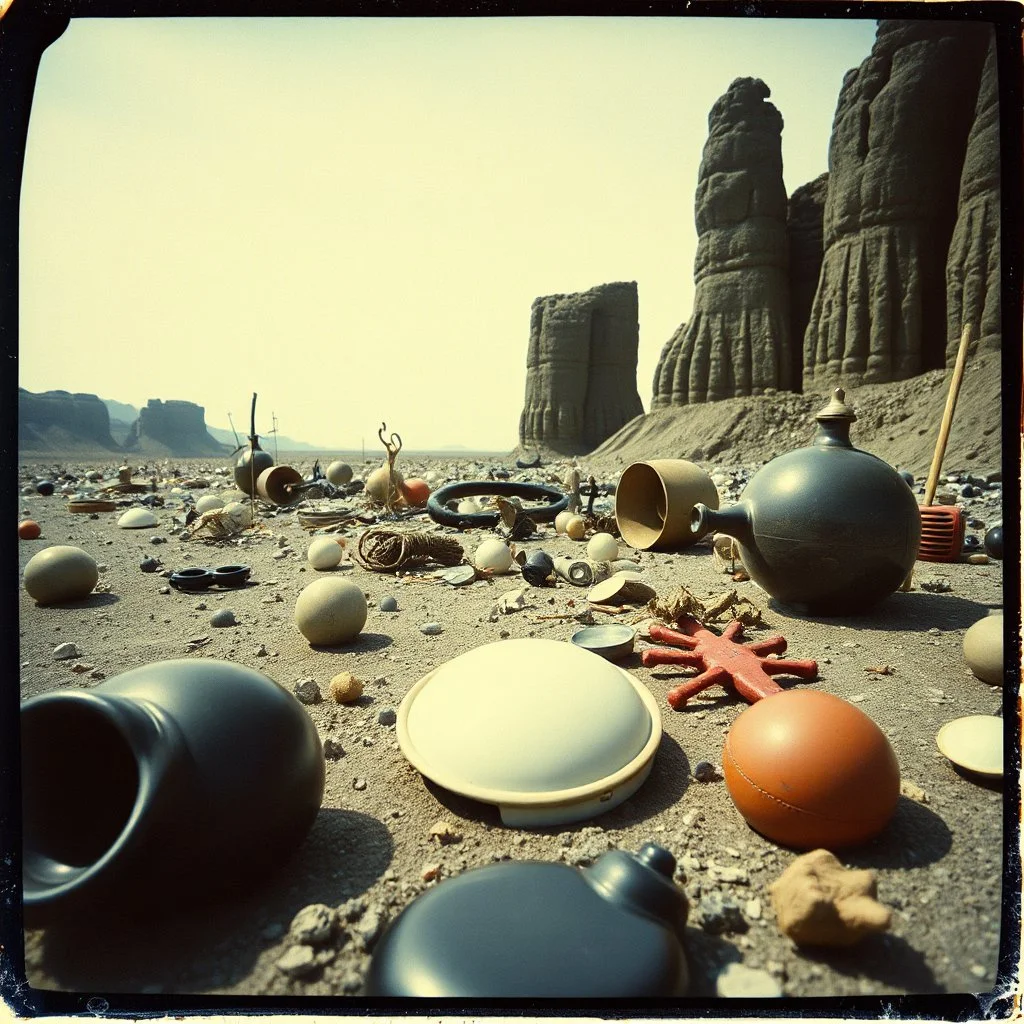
x: 642, y: 882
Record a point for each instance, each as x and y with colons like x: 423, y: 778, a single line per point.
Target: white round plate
x: 549, y: 732
x: 974, y: 743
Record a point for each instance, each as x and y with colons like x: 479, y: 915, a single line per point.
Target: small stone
x: 201, y: 606
x: 81, y: 666
x: 431, y: 628
x: 369, y: 927
x: 62, y: 652
x: 720, y: 873
x: 312, y: 924
x: 149, y: 564
x: 978, y: 558
x: 721, y: 915
x: 222, y: 618
x: 333, y: 750
x: 742, y: 982
x: 163, y: 590
x: 97, y: 673
x: 913, y: 792
x: 157, y: 540
x: 444, y: 832
x: 298, y: 960
x: 977, y: 970
x: 430, y: 872
x: 704, y: 771
x: 388, y: 716
x: 307, y: 690
x: 388, y: 604
x: 260, y: 652
x: 752, y: 908
x: 346, y: 688
x: 359, y: 784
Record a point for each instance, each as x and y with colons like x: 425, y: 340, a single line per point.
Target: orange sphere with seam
x: 29, y: 529
x: 810, y: 770
x: 415, y: 491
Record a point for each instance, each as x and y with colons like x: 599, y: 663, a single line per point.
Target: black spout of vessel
x: 734, y: 521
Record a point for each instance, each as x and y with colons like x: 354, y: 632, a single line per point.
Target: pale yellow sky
x: 352, y: 216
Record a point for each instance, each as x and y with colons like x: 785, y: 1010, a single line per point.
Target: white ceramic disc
x: 548, y: 731
x: 974, y: 743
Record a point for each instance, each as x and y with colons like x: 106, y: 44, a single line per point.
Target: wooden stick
x: 947, y: 421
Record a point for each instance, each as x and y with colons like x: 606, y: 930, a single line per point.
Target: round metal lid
x: 548, y: 731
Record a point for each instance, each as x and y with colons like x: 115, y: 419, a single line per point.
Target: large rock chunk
x: 581, y: 368
x: 804, y: 226
x: 973, y: 265
x: 737, y: 342
x: 177, y: 427
x: 895, y: 158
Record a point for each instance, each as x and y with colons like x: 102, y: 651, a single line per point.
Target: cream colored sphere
x: 376, y: 485
x: 60, y: 573
x: 323, y: 553
x: 339, y: 473
x: 137, y: 519
x: 468, y: 507
x: 330, y: 611
x: 493, y: 554
x: 240, y: 512
x: 983, y: 649
x: 602, y: 547
x: 561, y: 519
x: 209, y: 502
x: 576, y: 527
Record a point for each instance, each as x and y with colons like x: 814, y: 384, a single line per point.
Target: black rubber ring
x: 506, y: 489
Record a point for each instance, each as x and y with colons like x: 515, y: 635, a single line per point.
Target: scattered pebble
x: 370, y: 925
x: 359, y: 784
x: 81, y: 666
x: 388, y: 604
x: 260, y: 652
x: 307, y: 690
x: 753, y: 909
x: 64, y: 651
x: 721, y: 914
x: 223, y: 617
x: 163, y: 590
x: 298, y: 960
x: 149, y: 564
x: 312, y: 924
x: 913, y: 791
x: 444, y: 832
x: 431, y: 628
x: 346, y: 688
x: 704, y: 771
x: 430, y: 872
x: 388, y: 716
x: 740, y: 981
x: 333, y: 750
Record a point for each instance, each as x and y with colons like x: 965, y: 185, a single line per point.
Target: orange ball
x: 810, y: 770
x: 415, y: 491
x: 29, y: 529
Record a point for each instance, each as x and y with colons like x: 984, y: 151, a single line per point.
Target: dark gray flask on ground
x: 163, y: 784
x: 529, y: 929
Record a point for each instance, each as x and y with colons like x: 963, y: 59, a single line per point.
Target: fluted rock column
x: 895, y: 157
x: 737, y: 340
x: 973, y: 265
x: 581, y: 368
x: 806, y: 250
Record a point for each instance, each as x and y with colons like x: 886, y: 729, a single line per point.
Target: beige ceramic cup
x: 653, y: 502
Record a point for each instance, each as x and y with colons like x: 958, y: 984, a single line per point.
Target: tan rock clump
x: 346, y: 688
x: 818, y: 902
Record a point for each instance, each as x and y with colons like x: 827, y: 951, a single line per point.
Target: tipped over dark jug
x: 163, y: 784
x: 829, y: 528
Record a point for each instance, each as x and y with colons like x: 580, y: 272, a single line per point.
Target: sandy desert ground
x: 371, y: 851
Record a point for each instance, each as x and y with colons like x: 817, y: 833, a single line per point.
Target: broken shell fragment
x: 137, y: 519
x: 818, y: 902
x: 459, y: 575
x: 974, y: 743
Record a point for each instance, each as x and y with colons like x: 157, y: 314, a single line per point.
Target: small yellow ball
x: 346, y: 688
x: 576, y: 527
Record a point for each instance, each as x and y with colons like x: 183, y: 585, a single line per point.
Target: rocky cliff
x: 60, y: 420
x: 172, y: 427
x: 973, y: 265
x: 895, y: 160
x: 737, y: 341
x: 804, y: 227
x: 581, y: 368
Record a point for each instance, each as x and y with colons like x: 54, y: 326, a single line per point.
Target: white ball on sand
x: 468, y: 507
x: 60, y: 573
x: 493, y: 554
x: 240, y: 512
x: 603, y: 547
x: 339, y: 473
x: 377, y: 485
x: 323, y: 553
x: 561, y: 519
x: 137, y: 519
x: 330, y: 611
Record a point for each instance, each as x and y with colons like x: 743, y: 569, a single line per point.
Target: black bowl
x: 231, y: 575
x: 191, y: 579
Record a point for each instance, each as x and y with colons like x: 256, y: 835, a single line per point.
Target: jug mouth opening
x: 80, y: 787
x: 641, y: 505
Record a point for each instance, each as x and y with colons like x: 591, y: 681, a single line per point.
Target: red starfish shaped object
x: 723, y: 660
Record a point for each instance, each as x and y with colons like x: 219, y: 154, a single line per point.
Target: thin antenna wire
x: 273, y: 417
x: 233, y: 431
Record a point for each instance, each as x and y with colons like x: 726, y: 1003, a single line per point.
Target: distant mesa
x: 581, y: 368
x: 174, y: 426
x: 63, y: 421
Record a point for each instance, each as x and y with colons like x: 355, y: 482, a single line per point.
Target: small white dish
x: 974, y: 743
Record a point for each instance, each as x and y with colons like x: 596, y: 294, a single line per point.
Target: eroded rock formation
x: 895, y: 158
x: 54, y: 420
x: 737, y: 342
x: 179, y: 427
x: 973, y: 265
x: 804, y: 226
x: 581, y: 368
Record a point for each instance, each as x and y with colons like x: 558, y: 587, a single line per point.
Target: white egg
x: 330, y: 611
x: 561, y: 519
x: 493, y: 554
x: 137, y: 519
x: 208, y: 502
x: 603, y: 547
x: 323, y: 553
x: 60, y: 573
